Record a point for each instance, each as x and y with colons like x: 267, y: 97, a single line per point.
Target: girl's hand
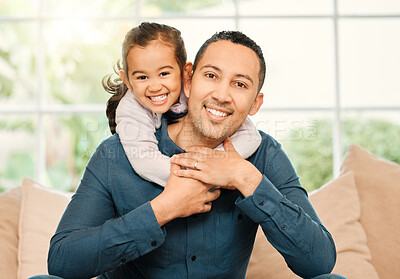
x: 226, y: 169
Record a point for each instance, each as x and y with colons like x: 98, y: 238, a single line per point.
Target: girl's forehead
x: 155, y: 55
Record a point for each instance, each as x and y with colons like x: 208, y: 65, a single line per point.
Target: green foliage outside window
x: 313, y: 158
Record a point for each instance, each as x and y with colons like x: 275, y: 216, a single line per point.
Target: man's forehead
x: 231, y: 56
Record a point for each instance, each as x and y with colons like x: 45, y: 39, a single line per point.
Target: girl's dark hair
x: 141, y: 36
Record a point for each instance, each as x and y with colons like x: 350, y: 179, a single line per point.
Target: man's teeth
x: 216, y: 112
x: 158, y: 98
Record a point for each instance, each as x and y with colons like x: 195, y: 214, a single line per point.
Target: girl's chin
x: 159, y: 109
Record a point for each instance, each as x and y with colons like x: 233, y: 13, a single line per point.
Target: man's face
x: 223, y: 90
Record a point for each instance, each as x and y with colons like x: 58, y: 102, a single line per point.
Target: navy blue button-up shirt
x: 109, y: 226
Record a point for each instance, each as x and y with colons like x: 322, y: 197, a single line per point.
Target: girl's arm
x: 136, y: 126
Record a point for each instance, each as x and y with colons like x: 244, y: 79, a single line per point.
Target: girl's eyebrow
x: 159, y: 69
x: 166, y: 67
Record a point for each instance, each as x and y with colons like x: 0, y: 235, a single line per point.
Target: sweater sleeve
x: 91, y: 239
x: 246, y: 139
x: 136, y: 126
x: 281, y: 206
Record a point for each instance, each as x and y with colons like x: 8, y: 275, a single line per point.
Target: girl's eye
x: 210, y: 76
x: 141, y: 77
x: 163, y: 74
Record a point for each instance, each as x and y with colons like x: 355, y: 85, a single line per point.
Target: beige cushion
x: 378, y: 184
x: 10, y: 204
x: 41, y: 211
x: 338, y: 207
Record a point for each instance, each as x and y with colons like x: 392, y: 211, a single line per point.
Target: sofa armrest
x: 10, y: 207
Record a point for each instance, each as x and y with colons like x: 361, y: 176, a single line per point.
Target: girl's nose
x: 155, y: 85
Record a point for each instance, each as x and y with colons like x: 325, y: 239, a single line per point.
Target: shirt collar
x: 165, y: 143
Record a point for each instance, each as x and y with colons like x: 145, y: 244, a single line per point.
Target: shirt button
x: 123, y: 260
x: 283, y: 227
x: 154, y: 243
x: 240, y: 216
x: 193, y: 258
x: 261, y: 203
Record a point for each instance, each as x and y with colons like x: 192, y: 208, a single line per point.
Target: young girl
x: 150, y: 84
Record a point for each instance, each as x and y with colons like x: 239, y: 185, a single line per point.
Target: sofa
x: 360, y: 208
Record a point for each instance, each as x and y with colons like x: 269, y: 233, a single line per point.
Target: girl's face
x: 154, y: 75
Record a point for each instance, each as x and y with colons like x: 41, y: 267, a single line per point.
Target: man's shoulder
x: 110, y: 145
x: 268, y: 148
x: 110, y: 142
x: 267, y: 141
x: 267, y: 152
x: 108, y: 153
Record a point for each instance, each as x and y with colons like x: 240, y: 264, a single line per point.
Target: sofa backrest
x: 378, y: 184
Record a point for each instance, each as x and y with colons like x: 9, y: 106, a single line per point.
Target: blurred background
x: 333, y: 77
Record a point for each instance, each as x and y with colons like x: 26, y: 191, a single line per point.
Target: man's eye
x: 210, y: 76
x: 241, y: 84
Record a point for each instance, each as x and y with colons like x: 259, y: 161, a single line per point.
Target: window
x: 332, y: 77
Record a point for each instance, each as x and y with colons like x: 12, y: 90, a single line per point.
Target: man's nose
x: 222, y: 92
x: 155, y: 85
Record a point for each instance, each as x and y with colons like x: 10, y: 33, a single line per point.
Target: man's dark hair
x: 235, y: 37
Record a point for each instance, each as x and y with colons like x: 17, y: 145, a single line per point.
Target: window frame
x: 41, y: 109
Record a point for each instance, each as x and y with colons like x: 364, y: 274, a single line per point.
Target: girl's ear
x: 187, y: 78
x: 257, y: 103
x: 125, y: 79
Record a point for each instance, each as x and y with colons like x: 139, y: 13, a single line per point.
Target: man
x: 122, y: 226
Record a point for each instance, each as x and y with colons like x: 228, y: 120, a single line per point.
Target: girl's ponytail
x: 113, y: 85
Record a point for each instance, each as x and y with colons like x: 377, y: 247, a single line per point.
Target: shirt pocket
x: 234, y: 239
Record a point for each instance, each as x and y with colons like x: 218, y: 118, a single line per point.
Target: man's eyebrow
x: 219, y: 70
x: 246, y: 77
x: 159, y: 69
x: 211, y: 66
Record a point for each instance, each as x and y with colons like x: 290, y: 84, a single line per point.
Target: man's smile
x: 217, y: 114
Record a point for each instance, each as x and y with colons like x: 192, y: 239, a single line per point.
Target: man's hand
x: 182, y: 197
x: 226, y: 169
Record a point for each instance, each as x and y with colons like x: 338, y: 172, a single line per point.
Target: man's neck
x: 184, y: 134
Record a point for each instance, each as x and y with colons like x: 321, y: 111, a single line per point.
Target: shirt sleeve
x: 136, y: 126
x: 90, y: 238
x: 281, y: 206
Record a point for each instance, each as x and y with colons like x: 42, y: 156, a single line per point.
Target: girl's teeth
x: 159, y: 98
x: 217, y: 113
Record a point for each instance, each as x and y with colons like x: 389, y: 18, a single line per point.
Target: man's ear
x: 257, y: 104
x: 187, y: 78
x: 122, y: 74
